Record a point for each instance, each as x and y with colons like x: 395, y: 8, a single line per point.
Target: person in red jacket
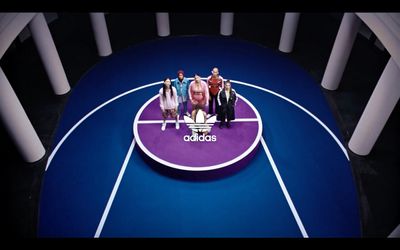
x: 215, y: 83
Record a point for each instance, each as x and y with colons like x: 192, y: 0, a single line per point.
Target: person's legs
x: 210, y: 103
x: 217, y: 107
x: 230, y: 114
x: 180, y: 107
x: 193, y: 110
x: 221, y: 123
x: 177, y: 123
x: 164, y: 124
x: 176, y: 116
x: 185, y: 109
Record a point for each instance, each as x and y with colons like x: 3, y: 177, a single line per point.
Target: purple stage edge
x: 207, y: 175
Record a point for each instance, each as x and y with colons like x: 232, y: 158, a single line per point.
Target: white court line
x: 102, y: 221
x: 53, y: 153
x: 190, y: 168
x: 303, y: 109
x: 182, y: 121
x: 91, y: 113
x: 114, y: 191
x: 285, y: 192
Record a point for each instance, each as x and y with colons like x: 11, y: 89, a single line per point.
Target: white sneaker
x: 163, y: 126
x: 177, y: 125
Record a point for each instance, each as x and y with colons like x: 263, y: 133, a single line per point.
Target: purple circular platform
x: 233, y: 146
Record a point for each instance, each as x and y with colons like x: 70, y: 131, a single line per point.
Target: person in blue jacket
x: 181, y: 83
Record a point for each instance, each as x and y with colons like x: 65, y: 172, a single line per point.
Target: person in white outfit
x: 168, y: 103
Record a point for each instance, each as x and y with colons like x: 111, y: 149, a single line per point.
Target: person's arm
x: 161, y: 100
x: 186, y: 81
x: 219, y: 98
x: 208, y: 82
x: 176, y: 97
x: 207, y: 94
x: 190, y: 92
x: 234, y: 96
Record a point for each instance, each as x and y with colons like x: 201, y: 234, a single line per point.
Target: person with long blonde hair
x: 227, y: 100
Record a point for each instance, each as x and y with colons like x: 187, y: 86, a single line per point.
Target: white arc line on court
x: 202, y: 168
x: 53, y: 153
x: 114, y: 191
x: 182, y: 121
x: 91, y: 113
x: 302, y: 108
x: 284, y: 190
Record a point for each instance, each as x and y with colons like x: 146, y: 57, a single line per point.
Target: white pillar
x: 162, y: 19
x: 49, y: 55
x: 395, y: 233
x: 289, y: 30
x: 378, y: 109
x: 341, y: 51
x: 17, y: 123
x: 226, y: 28
x: 99, y: 26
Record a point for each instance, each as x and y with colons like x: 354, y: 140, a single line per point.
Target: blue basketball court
x: 298, y: 184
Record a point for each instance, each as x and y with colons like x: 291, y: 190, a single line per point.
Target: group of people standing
x: 175, y: 95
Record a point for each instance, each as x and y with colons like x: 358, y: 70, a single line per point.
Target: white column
x: 395, y: 233
x: 49, y: 55
x: 341, y: 51
x: 226, y: 28
x: 99, y: 26
x: 289, y: 30
x: 17, y: 123
x: 377, y: 112
x: 162, y: 19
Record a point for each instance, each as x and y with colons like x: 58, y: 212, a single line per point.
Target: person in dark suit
x: 227, y: 101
